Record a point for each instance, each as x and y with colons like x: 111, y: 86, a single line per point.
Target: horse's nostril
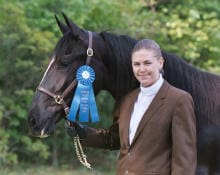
x: 32, y: 122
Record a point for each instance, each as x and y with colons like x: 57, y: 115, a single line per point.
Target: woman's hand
x: 76, y: 128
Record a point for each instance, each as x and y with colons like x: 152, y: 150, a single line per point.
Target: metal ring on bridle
x: 89, y: 52
x: 58, y: 99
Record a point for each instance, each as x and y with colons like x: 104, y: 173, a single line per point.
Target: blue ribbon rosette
x: 83, y: 102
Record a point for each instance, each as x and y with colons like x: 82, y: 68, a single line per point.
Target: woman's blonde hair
x: 148, y: 45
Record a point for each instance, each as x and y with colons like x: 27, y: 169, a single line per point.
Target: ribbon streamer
x: 83, y: 102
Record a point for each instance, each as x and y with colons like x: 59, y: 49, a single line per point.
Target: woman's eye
x: 136, y: 64
x: 147, y: 63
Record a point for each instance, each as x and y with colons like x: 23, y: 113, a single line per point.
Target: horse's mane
x: 119, y: 53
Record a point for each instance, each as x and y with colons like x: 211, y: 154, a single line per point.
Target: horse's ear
x: 63, y: 28
x: 76, y: 31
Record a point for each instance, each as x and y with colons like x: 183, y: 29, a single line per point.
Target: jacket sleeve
x: 184, y: 153
x: 104, y: 138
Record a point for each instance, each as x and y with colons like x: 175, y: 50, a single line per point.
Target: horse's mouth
x: 43, y: 131
x: 41, y: 135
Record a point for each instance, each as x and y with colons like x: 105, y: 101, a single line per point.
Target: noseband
x: 59, y: 99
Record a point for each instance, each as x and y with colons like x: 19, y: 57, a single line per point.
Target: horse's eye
x: 65, y: 60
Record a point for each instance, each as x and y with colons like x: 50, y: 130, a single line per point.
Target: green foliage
x: 189, y: 29
x: 28, y: 34
x: 44, y: 170
x: 6, y: 157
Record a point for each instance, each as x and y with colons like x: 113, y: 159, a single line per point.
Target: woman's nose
x: 142, y: 68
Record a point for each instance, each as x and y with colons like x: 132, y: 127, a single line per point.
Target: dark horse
x: 111, y: 62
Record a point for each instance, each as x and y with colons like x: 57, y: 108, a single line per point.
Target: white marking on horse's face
x: 42, y: 134
x: 45, y: 73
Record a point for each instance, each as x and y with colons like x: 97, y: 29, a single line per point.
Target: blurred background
x: 28, y: 35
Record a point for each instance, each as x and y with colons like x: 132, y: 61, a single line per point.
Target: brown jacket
x: 165, y: 141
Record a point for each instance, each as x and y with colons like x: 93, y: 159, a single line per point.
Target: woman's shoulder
x: 177, y: 92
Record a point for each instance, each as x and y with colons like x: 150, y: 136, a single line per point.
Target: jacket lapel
x: 154, y: 106
x: 132, y: 98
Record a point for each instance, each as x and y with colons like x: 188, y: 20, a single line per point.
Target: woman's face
x: 146, y: 66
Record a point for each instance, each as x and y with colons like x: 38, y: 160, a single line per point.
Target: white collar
x: 153, y: 89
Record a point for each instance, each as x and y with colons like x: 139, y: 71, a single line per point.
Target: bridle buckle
x: 58, y: 99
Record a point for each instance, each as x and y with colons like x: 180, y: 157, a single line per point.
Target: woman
x: 154, y: 126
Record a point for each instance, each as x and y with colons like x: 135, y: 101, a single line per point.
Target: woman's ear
x: 161, y: 62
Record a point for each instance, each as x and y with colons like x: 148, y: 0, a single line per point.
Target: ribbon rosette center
x: 85, y: 74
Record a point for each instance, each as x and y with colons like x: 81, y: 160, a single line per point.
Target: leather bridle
x: 59, y: 99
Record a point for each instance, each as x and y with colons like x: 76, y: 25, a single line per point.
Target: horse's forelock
x: 63, y: 45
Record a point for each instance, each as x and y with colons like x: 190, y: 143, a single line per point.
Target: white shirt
x: 141, y: 105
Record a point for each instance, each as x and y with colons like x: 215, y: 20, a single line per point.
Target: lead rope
x: 81, y: 155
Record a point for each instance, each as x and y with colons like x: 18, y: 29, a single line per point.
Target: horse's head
x: 57, y: 86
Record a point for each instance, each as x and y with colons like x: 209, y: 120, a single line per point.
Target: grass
x: 46, y: 170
